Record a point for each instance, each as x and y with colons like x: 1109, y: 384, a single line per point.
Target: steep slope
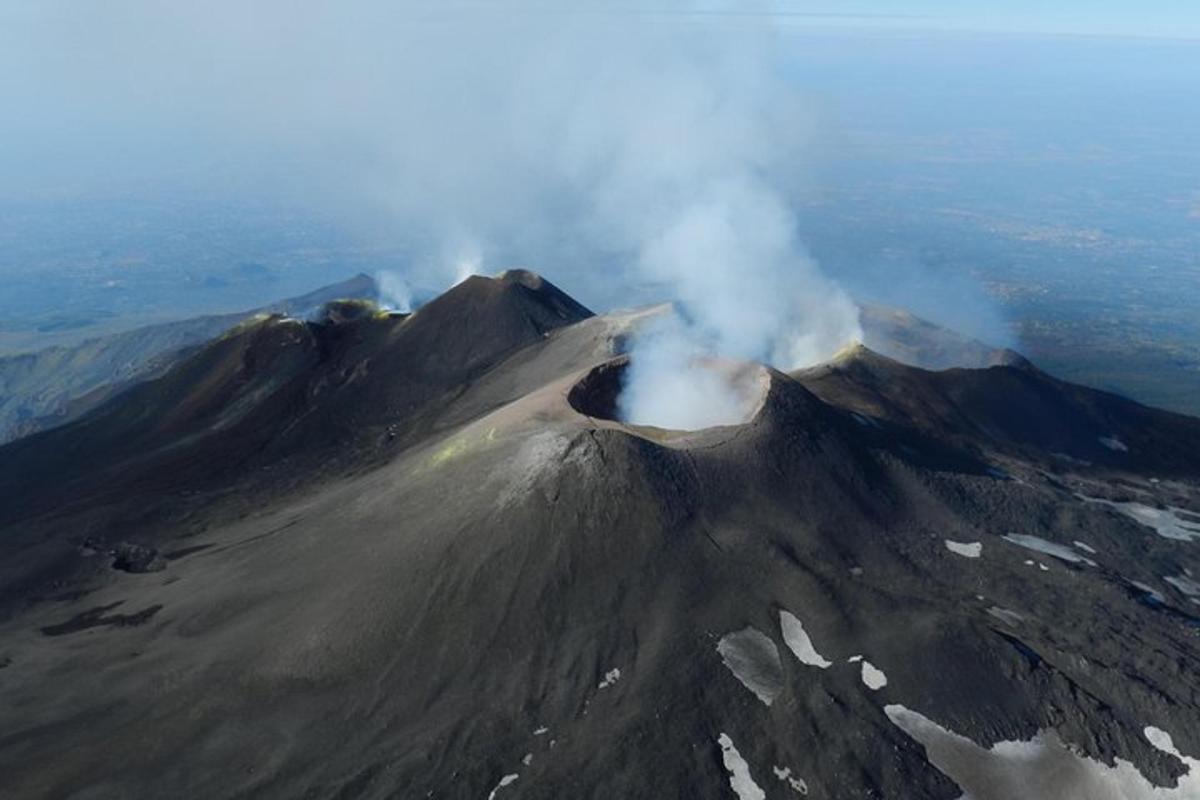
x: 510, y: 594
x: 281, y: 390
x: 905, y: 337
x: 48, y: 387
x: 1015, y: 408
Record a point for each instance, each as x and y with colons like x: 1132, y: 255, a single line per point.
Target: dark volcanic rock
x: 137, y: 558
x: 433, y: 561
x: 59, y: 384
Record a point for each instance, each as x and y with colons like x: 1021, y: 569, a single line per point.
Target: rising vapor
x: 606, y: 148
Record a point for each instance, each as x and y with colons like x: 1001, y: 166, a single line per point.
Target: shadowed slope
x: 280, y: 389
x: 1017, y: 408
x: 486, y: 577
x: 53, y: 386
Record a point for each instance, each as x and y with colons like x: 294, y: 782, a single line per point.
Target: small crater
x: 598, y: 394
x: 137, y: 558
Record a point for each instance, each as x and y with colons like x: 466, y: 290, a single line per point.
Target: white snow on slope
x: 785, y: 774
x: 1006, y: 616
x: 505, y: 781
x: 1153, y: 593
x: 1049, y: 548
x: 739, y: 771
x: 1114, y: 444
x: 1166, y: 522
x: 610, y: 678
x: 1043, y: 767
x: 796, y: 638
x: 754, y: 660
x: 1161, y: 740
x: 967, y: 550
x: 1185, y: 585
x: 1084, y: 546
x: 873, y: 677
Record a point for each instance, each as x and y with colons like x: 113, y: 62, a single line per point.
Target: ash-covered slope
x: 49, y: 387
x: 415, y: 557
x: 905, y: 337
x: 1016, y: 408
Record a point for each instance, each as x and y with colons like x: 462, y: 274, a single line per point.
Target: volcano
x: 381, y: 555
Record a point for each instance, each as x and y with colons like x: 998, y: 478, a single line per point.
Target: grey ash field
x: 415, y: 556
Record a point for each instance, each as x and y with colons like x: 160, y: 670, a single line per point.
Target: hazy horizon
x: 996, y: 173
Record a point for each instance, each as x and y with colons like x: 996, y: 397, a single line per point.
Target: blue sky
x: 1173, y: 18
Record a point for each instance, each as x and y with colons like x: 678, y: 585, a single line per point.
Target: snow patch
x: 610, y: 678
x: 739, y: 771
x: 796, y: 638
x: 1006, y: 616
x: 541, y: 731
x: 966, y: 550
x: 754, y: 660
x: 785, y: 774
x: 1084, y: 546
x: 1043, y: 767
x: 873, y: 677
x: 1150, y: 592
x: 1114, y: 444
x: 528, y: 759
x: 1161, y: 740
x: 505, y: 781
x: 1185, y: 585
x: 1049, y: 548
x: 1166, y: 522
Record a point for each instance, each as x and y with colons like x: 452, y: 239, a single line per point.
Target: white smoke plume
x: 394, y: 292
x: 605, y: 144
x: 671, y: 383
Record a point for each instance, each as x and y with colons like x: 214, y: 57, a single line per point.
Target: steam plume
x: 603, y: 146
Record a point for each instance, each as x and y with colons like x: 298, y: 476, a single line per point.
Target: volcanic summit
x: 421, y: 555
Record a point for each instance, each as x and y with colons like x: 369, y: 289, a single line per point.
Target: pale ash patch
x: 1049, y: 548
x: 785, y: 774
x: 610, y: 678
x: 873, y: 677
x: 1043, y: 767
x: 798, y: 641
x: 964, y: 549
x: 1166, y: 522
x: 538, y: 458
x: 754, y: 660
x: 505, y: 781
x: 1114, y: 444
x: 739, y: 771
